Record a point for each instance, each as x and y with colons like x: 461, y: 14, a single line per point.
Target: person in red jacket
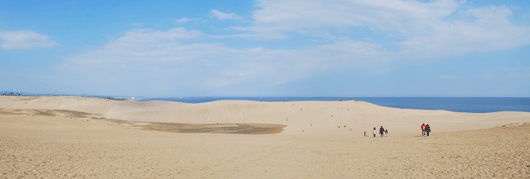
x: 423, y: 130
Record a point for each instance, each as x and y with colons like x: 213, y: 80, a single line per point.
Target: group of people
x: 425, y: 129
x: 382, y: 131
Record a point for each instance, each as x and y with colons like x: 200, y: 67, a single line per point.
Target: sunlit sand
x: 90, y: 137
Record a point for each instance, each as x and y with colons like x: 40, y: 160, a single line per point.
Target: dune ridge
x: 311, y: 117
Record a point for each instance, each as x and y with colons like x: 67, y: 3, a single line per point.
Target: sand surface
x: 64, y: 137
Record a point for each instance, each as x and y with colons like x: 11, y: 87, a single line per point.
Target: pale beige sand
x: 65, y: 146
x: 312, y: 117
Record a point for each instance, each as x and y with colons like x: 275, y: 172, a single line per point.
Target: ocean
x: 456, y: 104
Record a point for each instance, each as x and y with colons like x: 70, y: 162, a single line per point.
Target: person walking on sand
x: 423, y: 130
x: 375, y: 131
x: 381, y: 131
x: 427, y: 129
x: 386, y: 132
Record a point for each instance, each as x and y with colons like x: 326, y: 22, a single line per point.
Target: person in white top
x: 375, y: 131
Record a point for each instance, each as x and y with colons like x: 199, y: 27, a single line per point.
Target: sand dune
x: 65, y: 137
x: 319, y: 118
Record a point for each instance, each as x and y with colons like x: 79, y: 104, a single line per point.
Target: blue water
x: 463, y: 104
x: 459, y: 104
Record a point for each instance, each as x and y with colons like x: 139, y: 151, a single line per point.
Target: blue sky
x: 378, y: 48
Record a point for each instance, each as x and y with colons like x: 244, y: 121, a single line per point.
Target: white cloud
x: 422, y: 30
x: 223, y: 16
x: 420, y: 27
x: 490, y: 31
x: 168, y: 56
x: 140, y: 45
x: 24, y: 40
x: 277, y: 17
x: 182, y: 20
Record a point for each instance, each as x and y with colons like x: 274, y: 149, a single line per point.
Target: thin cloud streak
x: 25, y: 39
x: 182, y: 20
x: 224, y: 16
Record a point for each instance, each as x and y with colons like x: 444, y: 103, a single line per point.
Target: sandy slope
x: 62, y: 146
x: 319, y: 118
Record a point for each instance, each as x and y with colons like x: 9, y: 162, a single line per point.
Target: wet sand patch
x: 224, y: 128
x: 47, y: 112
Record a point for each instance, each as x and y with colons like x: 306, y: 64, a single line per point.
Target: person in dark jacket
x: 382, y: 131
x: 427, y: 129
